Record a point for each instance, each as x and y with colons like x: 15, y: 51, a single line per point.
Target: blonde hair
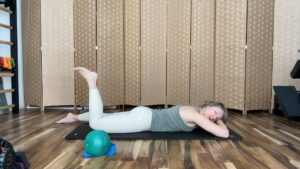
x: 213, y: 103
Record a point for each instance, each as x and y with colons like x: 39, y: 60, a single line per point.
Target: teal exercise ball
x: 97, y: 143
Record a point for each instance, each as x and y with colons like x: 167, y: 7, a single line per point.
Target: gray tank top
x: 168, y: 120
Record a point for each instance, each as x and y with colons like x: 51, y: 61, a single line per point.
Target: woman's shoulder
x: 190, y: 107
x: 189, y: 113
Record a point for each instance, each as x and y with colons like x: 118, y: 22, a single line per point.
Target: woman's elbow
x: 224, y: 134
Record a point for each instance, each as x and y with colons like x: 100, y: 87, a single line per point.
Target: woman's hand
x: 222, y: 124
x: 217, y: 128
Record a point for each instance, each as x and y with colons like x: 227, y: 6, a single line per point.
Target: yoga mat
x: 198, y: 134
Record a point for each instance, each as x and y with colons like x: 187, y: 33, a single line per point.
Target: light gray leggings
x: 136, y: 120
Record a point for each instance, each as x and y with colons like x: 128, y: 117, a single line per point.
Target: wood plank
x: 127, y: 150
x: 128, y: 165
x: 5, y: 26
x: 2, y: 8
x: 266, y: 158
x: 292, y: 155
x: 197, y: 158
x: 284, y: 137
x: 159, y: 158
x: 290, y: 134
x: 143, y: 163
x: 7, y: 107
x: 146, y: 146
x: 230, y: 165
x: 269, y: 137
x: 6, y: 74
x: 205, y: 161
x: 175, y: 159
x: 136, y: 148
x: 7, y: 91
x: 6, y: 42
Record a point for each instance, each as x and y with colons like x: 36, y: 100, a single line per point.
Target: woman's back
x: 168, y: 119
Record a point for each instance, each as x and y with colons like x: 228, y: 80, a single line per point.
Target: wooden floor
x: 268, y: 142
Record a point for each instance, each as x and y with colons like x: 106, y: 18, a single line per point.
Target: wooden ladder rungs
x: 5, y: 10
x: 7, y: 107
x: 6, y: 42
x: 6, y: 74
x: 7, y: 91
x: 5, y: 26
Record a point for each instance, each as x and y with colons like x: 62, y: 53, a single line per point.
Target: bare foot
x: 70, y: 118
x: 90, y: 77
x: 87, y: 74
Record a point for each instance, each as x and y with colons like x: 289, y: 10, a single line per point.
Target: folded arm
x: 218, y: 128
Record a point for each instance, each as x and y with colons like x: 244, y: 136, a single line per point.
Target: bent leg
x: 95, y: 101
x: 95, y: 105
x: 86, y: 116
x: 138, y: 119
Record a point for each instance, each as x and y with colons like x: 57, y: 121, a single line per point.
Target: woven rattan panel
x: 286, y: 41
x: 132, y: 52
x: 31, y: 20
x: 110, y: 53
x: 230, y: 52
x: 259, y: 54
x: 202, y: 52
x: 85, y: 43
x: 178, y: 55
x: 153, y: 54
x: 58, y: 52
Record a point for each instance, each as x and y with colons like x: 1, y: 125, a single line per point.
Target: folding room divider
x: 259, y: 55
x: 57, y: 52
x: 132, y: 54
x: 31, y: 20
x: 202, y: 77
x: 244, y: 31
x: 231, y: 25
x: 150, y: 52
x: 178, y: 51
x: 85, y: 44
x: 110, y: 53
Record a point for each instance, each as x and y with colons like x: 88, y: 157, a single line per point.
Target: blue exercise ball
x: 97, y: 143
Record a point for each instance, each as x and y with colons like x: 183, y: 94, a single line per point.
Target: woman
x: 177, y: 118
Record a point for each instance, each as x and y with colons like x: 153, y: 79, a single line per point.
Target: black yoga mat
x: 198, y: 134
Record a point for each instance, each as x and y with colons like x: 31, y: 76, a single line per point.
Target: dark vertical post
x: 14, y: 55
